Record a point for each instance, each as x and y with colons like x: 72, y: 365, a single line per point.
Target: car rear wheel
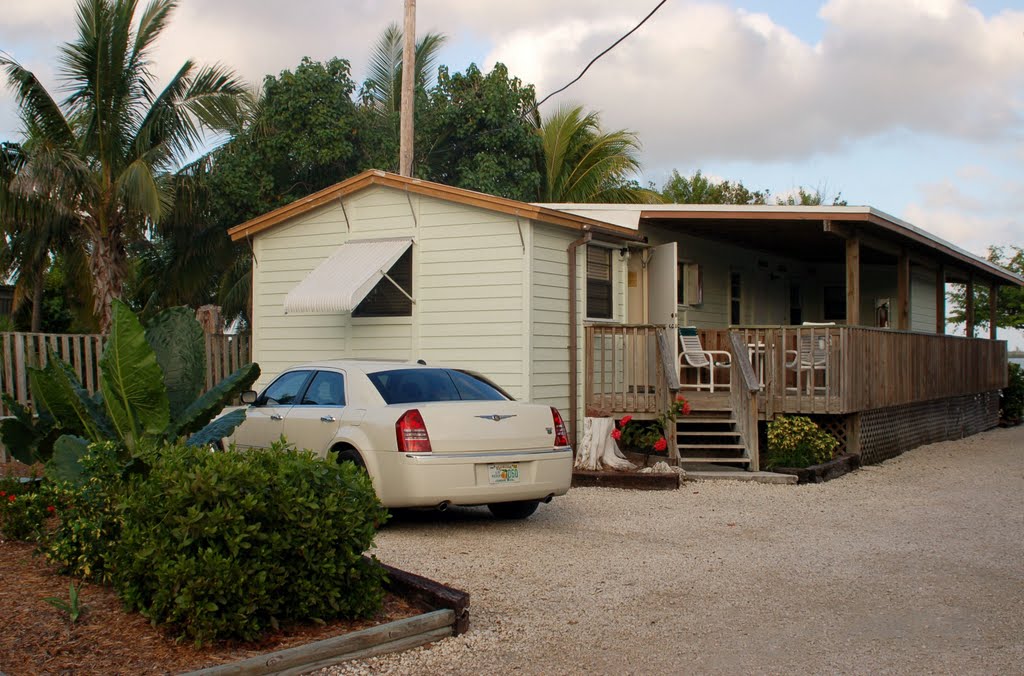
x: 351, y: 455
x: 513, y: 510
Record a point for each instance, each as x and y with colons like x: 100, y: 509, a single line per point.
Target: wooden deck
x: 833, y: 370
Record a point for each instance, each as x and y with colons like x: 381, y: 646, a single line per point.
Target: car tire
x: 351, y: 455
x: 519, y: 509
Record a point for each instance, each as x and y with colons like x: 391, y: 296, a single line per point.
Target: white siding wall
x: 468, y: 282
x: 922, y: 301
x: 549, y: 320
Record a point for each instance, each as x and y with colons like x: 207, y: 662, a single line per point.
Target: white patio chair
x: 810, y: 356
x: 693, y: 355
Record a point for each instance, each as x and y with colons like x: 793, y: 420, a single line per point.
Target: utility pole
x: 408, y: 89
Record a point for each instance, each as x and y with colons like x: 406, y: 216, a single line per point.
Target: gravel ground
x: 912, y: 566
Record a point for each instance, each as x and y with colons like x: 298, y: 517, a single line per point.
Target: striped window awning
x: 339, y: 283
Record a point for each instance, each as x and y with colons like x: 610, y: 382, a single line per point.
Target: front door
x: 663, y: 283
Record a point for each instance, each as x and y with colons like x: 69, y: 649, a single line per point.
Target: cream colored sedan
x: 428, y: 436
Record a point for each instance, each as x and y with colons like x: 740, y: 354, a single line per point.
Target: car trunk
x: 469, y: 426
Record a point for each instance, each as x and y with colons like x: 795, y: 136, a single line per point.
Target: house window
x: 690, y: 289
x: 834, y: 303
x: 385, y: 300
x: 599, y: 282
x: 735, y: 298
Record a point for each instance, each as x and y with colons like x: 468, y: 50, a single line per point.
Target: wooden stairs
x: 710, y: 434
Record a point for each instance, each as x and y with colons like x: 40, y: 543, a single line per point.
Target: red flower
x: 660, y: 444
x: 616, y: 435
x: 686, y: 408
x: 680, y: 397
x: 51, y: 509
x: 3, y: 493
x: 10, y: 498
x: 625, y: 420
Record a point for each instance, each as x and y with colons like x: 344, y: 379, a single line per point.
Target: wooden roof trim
x: 429, y: 189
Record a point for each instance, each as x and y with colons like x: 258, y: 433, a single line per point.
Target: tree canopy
x: 106, y: 154
x: 699, y: 189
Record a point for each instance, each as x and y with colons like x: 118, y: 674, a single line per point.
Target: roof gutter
x: 574, y: 336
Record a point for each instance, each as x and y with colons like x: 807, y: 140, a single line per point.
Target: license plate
x: 504, y: 474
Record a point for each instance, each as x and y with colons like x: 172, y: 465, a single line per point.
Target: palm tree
x: 382, y: 89
x: 584, y: 164
x: 107, y: 153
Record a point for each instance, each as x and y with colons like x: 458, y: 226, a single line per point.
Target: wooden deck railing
x: 838, y: 369
x: 224, y: 354
x: 623, y: 372
x: 798, y: 369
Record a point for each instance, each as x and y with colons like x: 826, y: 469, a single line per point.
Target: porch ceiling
x: 804, y: 237
x: 803, y: 240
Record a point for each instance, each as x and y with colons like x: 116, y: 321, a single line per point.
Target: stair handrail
x: 743, y: 397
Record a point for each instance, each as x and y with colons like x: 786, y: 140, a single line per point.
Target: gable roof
x: 418, y: 186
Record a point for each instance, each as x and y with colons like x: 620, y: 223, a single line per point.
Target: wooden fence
x: 224, y: 354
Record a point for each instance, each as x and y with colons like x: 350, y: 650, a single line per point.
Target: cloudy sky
x: 915, y: 107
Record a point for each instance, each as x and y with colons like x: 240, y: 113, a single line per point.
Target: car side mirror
x: 249, y: 397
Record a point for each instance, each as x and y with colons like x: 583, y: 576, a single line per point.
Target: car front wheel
x: 513, y: 510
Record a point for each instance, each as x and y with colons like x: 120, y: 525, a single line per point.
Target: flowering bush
x: 23, y: 512
x: 648, y: 436
x: 795, y: 441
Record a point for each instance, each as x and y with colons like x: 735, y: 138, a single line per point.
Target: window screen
x: 384, y: 300
x: 599, y: 282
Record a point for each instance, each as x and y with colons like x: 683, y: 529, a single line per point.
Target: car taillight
x: 561, y: 436
x: 412, y: 433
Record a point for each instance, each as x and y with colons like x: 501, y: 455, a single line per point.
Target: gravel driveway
x: 915, y: 565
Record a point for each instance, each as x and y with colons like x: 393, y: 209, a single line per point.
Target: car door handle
x: 327, y: 418
x: 274, y: 416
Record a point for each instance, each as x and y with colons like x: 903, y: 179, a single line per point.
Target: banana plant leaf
x: 26, y: 437
x: 218, y: 429
x: 203, y: 409
x: 57, y: 390
x: 132, y: 381
x: 65, y: 464
x: 177, y: 340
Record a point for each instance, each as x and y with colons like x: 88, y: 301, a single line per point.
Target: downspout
x: 573, y: 335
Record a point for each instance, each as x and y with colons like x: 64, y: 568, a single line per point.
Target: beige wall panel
x: 922, y: 301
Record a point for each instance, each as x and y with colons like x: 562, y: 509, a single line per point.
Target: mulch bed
x: 36, y: 638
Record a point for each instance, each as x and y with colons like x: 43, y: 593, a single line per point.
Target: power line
x: 594, y: 60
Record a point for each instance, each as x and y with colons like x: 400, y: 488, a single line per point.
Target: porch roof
x: 811, y: 234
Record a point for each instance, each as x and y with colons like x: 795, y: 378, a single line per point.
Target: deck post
x: 903, y: 291
x: 993, y: 303
x: 969, y: 306
x: 853, y: 281
x: 940, y: 300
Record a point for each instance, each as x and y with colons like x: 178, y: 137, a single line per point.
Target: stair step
x: 716, y: 447
x: 706, y: 433
x: 705, y: 421
x: 734, y: 461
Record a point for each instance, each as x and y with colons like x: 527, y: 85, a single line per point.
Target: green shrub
x: 23, y: 511
x: 1011, y: 399
x: 795, y: 441
x: 227, y: 544
x: 84, y: 540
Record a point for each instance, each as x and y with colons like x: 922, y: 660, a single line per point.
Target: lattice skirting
x: 885, y: 433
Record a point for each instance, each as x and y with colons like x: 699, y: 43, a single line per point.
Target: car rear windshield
x: 406, y: 386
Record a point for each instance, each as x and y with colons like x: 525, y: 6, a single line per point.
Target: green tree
x: 381, y: 94
x: 699, y: 189
x: 480, y: 133
x: 808, y: 198
x: 108, y: 153
x: 584, y: 164
x: 1009, y: 299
